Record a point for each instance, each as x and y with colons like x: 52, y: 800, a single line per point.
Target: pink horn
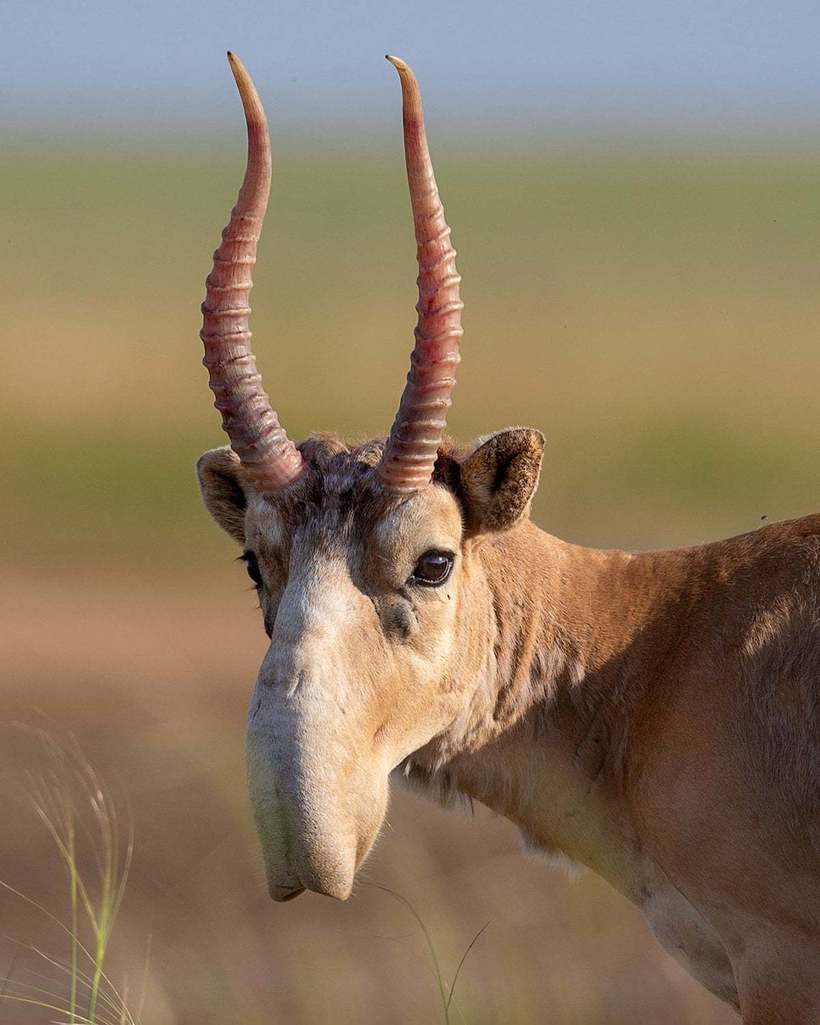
x: 411, y: 450
x: 256, y: 435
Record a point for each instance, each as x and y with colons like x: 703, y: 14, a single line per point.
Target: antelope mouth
x: 282, y: 894
x: 336, y: 889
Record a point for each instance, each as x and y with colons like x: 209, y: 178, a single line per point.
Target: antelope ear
x: 220, y: 483
x: 499, y: 478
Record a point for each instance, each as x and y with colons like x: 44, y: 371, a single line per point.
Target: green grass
x: 80, y: 816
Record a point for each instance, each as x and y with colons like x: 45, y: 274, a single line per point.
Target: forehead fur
x: 341, y: 493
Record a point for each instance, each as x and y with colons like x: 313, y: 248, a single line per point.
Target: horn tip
x: 397, y: 63
x: 237, y: 67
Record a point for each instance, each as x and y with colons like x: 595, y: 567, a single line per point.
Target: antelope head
x: 367, y: 559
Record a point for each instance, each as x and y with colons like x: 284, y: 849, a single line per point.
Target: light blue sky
x: 533, y: 69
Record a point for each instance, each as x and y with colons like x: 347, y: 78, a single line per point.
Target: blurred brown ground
x: 656, y: 316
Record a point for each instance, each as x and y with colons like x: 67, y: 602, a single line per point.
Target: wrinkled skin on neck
x: 366, y: 665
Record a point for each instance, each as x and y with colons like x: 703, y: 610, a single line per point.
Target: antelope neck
x: 575, y: 639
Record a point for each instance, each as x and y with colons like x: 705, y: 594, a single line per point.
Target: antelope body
x: 652, y: 716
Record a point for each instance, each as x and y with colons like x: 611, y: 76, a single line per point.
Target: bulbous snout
x: 317, y: 774
x: 318, y: 807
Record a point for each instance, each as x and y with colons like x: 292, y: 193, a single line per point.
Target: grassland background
x: 653, y: 310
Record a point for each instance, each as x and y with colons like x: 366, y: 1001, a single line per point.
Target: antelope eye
x: 433, y: 568
x: 252, y: 566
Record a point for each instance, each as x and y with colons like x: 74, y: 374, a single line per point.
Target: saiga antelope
x: 653, y: 716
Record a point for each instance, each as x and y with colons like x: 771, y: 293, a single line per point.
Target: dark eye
x: 252, y: 566
x: 433, y: 568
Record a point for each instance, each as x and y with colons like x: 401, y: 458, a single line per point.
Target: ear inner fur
x: 499, y: 479
x: 220, y: 474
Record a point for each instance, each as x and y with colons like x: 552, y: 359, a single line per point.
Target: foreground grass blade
x: 445, y: 993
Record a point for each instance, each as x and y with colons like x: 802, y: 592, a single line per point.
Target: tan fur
x: 652, y: 716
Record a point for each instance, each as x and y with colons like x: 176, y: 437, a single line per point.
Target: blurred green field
x: 655, y: 313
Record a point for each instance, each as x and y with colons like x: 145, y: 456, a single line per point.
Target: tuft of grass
x: 95, y: 850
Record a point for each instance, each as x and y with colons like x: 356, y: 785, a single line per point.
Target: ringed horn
x: 271, y: 459
x: 411, y: 450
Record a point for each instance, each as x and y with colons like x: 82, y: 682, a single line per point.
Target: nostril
x: 299, y: 680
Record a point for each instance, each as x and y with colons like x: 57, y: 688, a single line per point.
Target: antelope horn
x: 411, y: 450
x: 257, y: 437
